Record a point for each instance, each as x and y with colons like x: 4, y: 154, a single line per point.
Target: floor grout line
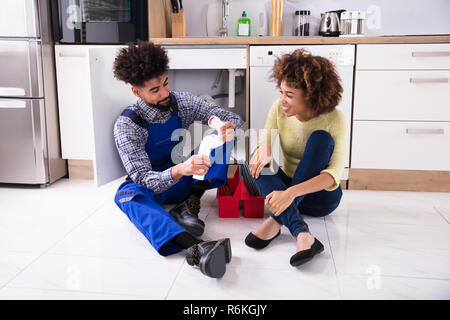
x: 175, y: 279
x: 332, y: 257
x: 439, y: 212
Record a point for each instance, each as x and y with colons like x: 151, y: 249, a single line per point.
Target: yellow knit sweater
x: 294, y: 134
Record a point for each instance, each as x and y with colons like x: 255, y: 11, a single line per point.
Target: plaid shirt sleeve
x: 130, y: 141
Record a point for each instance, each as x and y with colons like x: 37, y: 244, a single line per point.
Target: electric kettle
x: 330, y: 23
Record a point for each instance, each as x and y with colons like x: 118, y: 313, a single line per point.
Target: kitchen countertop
x: 284, y: 40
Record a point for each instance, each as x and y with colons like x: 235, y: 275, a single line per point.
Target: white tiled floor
x: 70, y: 241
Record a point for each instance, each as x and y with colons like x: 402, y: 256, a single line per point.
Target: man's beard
x: 163, y: 107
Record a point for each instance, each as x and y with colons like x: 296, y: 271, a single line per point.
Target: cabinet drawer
x: 403, y: 56
x: 401, y: 145
x: 402, y: 95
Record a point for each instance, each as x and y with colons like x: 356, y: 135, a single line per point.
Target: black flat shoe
x: 304, y: 256
x: 256, y: 243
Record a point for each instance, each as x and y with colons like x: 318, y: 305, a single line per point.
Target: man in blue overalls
x: 144, y: 138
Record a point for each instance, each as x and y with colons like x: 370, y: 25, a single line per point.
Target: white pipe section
x: 210, y: 142
x: 232, y: 74
x: 231, y: 87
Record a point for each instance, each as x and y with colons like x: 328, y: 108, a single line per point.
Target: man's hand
x: 196, y: 165
x: 226, y: 132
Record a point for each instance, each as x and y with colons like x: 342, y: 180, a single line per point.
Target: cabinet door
x: 401, y: 145
x: 403, y: 56
x: 109, y: 98
x: 410, y: 95
x: 74, y: 100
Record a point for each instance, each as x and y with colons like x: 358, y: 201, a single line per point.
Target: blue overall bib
x: 142, y: 206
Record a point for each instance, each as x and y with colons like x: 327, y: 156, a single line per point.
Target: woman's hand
x: 261, y: 157
x: 278, y: 201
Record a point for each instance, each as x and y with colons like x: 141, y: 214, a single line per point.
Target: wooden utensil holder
x: 179, y: 28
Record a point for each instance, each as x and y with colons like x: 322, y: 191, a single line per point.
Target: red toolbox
x: 230, y: 197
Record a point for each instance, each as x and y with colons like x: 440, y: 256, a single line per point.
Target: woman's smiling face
x: 293, y: 102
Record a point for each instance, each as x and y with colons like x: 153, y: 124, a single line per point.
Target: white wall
x: 385, y: 17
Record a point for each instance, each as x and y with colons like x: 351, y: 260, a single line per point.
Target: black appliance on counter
x: 99, y: 21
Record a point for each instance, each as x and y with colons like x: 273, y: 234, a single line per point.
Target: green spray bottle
x: 243, y: 27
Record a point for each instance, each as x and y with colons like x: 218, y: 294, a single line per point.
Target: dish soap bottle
x: 243, y: 29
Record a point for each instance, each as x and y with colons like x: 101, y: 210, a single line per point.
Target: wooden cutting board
x: 159, y: 19
x: 255, y: 10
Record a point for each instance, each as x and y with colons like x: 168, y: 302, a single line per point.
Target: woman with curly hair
x: 313, y: 142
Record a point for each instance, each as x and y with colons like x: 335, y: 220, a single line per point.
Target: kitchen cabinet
x: 423, y: 56
x: 408, y: 95
x: 401, y: 145
x: 91, y: 99
x: 401, y: 110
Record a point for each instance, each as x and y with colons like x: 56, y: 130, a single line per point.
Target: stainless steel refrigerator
x: 30, y: 150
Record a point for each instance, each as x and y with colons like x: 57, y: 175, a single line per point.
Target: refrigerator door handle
x: 12, y: 92
x: 12, y: 104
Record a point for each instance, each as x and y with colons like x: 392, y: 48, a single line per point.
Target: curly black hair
x: 140, y: 62
x: 315, y: 75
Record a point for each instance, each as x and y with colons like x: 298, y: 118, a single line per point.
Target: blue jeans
x: 316, y: 156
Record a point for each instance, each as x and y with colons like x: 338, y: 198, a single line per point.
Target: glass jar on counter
x: 301, y: 23
x: 352, y: 23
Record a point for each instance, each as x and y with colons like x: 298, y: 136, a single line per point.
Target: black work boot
x: 186, y: 214
x: 210, y: 256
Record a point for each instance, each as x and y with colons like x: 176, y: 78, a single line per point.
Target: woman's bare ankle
x: 304, y: 241
x: 268, y: 229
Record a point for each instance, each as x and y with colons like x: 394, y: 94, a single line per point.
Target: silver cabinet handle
x: 72, y: 55
x: 12, y: 104
x: 425, y: 131
x: 428, y: 80
x: 419, y: 54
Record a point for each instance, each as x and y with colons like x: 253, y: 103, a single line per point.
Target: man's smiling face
x: 155, y: 92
